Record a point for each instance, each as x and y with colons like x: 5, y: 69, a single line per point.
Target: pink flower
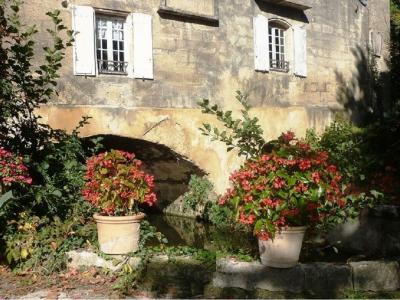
x: 278, y: 183
x: 288, y: 136
x: 316, y: 177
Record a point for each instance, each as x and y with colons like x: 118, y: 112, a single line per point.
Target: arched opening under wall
x: 171, y: 170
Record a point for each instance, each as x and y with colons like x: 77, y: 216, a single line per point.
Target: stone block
x: 232, y: 280
x: 326, y: 278
x: 280, y: 280
x: 253, y: 275
x: 376, y: 275
x: 77, y: 259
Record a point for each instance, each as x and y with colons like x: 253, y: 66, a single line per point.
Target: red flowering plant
x: 12, y: 171
x: 117, y: 184
x: 293, y: 185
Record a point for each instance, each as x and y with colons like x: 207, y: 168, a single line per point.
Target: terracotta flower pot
x: 118, y: 235
x: 284, y: 250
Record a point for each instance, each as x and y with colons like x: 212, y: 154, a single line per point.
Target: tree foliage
x: 23, y: 86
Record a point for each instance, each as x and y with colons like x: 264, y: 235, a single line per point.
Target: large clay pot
x: 284, y: 250
x: 118, y: 235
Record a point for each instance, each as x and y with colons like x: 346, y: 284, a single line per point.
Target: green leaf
x: 57, y: 193
x: 376, y: 194
x: 5, y: 198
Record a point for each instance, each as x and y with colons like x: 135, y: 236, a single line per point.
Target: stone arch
x: 172, y: 171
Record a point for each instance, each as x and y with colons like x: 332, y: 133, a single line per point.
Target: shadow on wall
x: 365, y: 96
x: 171, y: 170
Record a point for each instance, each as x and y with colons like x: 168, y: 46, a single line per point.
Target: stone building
x: 140, y: 67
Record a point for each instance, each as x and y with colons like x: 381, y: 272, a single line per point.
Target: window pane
x: 110, y: 44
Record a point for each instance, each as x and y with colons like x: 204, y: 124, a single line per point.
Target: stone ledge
x: 313, y: 278
x: 166, y: 10
x: 376, y: 275
x: 82, y: 258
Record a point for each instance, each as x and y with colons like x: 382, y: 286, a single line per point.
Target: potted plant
x: 117, y: 186
x: 284, y: 192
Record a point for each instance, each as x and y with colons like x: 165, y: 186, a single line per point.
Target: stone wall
x: 195, y: 59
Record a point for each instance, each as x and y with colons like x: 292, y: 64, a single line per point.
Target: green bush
x: 345, y: 146
x: 366, y: 156
x: 50, y: 217
x: 199, y: 193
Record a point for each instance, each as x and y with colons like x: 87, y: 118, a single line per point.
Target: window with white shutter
x: 108, y: 44
x: 270, y: 44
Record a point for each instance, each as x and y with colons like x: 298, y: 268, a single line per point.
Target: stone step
x: 311, y: 278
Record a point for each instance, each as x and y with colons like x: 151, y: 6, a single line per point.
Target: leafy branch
x: 244, y: 134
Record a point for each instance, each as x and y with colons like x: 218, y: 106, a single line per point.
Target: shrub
x: 293, y: 185
x: 364, y: 155
x: 199, y: 194
x: 116, y: 183
x: 345, y: 145
x: 39, y: 244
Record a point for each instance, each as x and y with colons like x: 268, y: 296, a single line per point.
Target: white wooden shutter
x: 261, y: 47
x: 300, y: 51
x: 84, y: 45
x: 129, y: 45
x: 142, y: 46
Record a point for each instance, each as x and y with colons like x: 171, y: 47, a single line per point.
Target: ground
x: 73, y: 284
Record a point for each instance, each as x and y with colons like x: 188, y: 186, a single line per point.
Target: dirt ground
x: 73, y: 284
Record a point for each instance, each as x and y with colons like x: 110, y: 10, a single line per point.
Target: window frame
x: 113, y: 67
x: 278, y: 60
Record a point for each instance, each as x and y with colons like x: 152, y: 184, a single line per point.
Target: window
x: 104, y: 39
x: 276, y: 49
x: 276, y: 43
x: 110, y: 45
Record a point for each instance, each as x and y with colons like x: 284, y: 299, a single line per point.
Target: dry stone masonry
x: 139, y: 67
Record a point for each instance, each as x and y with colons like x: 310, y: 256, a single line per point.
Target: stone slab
x: 253, y: 275
x: 280, y: 280
x: 78, y: 259
x: 376, y: 275
x: 326, y: 278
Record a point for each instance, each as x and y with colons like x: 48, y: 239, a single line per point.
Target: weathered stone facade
x: 212, y: 56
